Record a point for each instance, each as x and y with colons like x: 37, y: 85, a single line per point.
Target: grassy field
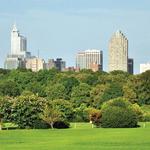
x: 79, y: 137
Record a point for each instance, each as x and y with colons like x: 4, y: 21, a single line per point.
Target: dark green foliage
x: 118, y: 113
x: 69, y: 83
x: 96, y: 95
x: 78, y: 91
x: 61, y: 124
x: 146, y: 117
x: 21, y: 77
x: 119, y: 72
x: 9, y: 88
x: 81, y: 114
x: 26, y: 110
x: 44, y: 76
x: 6, y: 108
x: 91, y: 80
x: 113, y: 91
x: 65, y: 107
x: 4, y: 71
x: 36, y: 88
x: 56, y: 91
x: 144, y: 88
x: 81, y: 94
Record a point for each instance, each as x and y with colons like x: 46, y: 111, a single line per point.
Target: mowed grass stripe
x: 77, y: 138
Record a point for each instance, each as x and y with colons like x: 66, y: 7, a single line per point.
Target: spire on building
x: 14, y: 29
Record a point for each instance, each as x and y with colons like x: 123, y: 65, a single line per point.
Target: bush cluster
x: 118, y: 113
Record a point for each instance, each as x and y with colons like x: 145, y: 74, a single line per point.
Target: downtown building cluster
x: 19, y: 57
x: 92, y: 59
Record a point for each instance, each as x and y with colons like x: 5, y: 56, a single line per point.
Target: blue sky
x: 61, y: 28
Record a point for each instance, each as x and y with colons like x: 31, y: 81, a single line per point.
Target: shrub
x: 146, y: 117
x: 118, y: 113
x: 94, y: 116
x: 61, y: 124
x: 138, y: 111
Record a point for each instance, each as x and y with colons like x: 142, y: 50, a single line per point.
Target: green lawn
x: 79, y: 137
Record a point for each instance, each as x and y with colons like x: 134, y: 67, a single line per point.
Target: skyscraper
x: 118, y: 52
x: 16, y: 59
x: 89, y: 58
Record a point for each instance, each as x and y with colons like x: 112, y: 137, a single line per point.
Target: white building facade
x: 144, y: 67
x: 18, y: 43
x: 35, y: 64
x: 85, y: 59
x: 18, y: 55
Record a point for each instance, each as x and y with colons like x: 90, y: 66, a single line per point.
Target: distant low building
x: 70, y: 69
x: 50, y: 64
x: 13, y: 62
x: 35, y: 64
x: 144, y: 67
x: 59, y: 64
x: 95, y: 67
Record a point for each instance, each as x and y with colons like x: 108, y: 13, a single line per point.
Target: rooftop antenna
x: 38, y: 53
x: 15, y: 27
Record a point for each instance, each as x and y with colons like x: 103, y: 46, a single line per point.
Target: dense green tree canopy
x: 26, y: 110
x: 9, y: 88
x: 23, y: 93
x: 81, y: 94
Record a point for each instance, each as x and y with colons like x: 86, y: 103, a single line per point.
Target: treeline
x: 73, y: 94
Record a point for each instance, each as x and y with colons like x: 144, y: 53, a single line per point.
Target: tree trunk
x: 51, y: 124
x: 0, y: 126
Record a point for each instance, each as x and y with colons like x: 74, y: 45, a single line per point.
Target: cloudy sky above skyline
x: 61, y: 28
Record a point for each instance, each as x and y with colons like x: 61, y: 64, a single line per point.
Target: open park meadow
x: 80, y: 136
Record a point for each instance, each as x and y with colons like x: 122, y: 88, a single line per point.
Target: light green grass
x: 83, y: 137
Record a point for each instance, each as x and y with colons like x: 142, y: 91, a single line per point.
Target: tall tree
x: 50, y: 115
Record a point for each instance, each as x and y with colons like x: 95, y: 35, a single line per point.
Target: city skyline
x: 68, y: 27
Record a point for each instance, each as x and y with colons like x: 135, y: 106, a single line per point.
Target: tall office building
x: 144, y: 67
x: 89, y: 59
x: 19, y: 53
x: 118, y: 52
